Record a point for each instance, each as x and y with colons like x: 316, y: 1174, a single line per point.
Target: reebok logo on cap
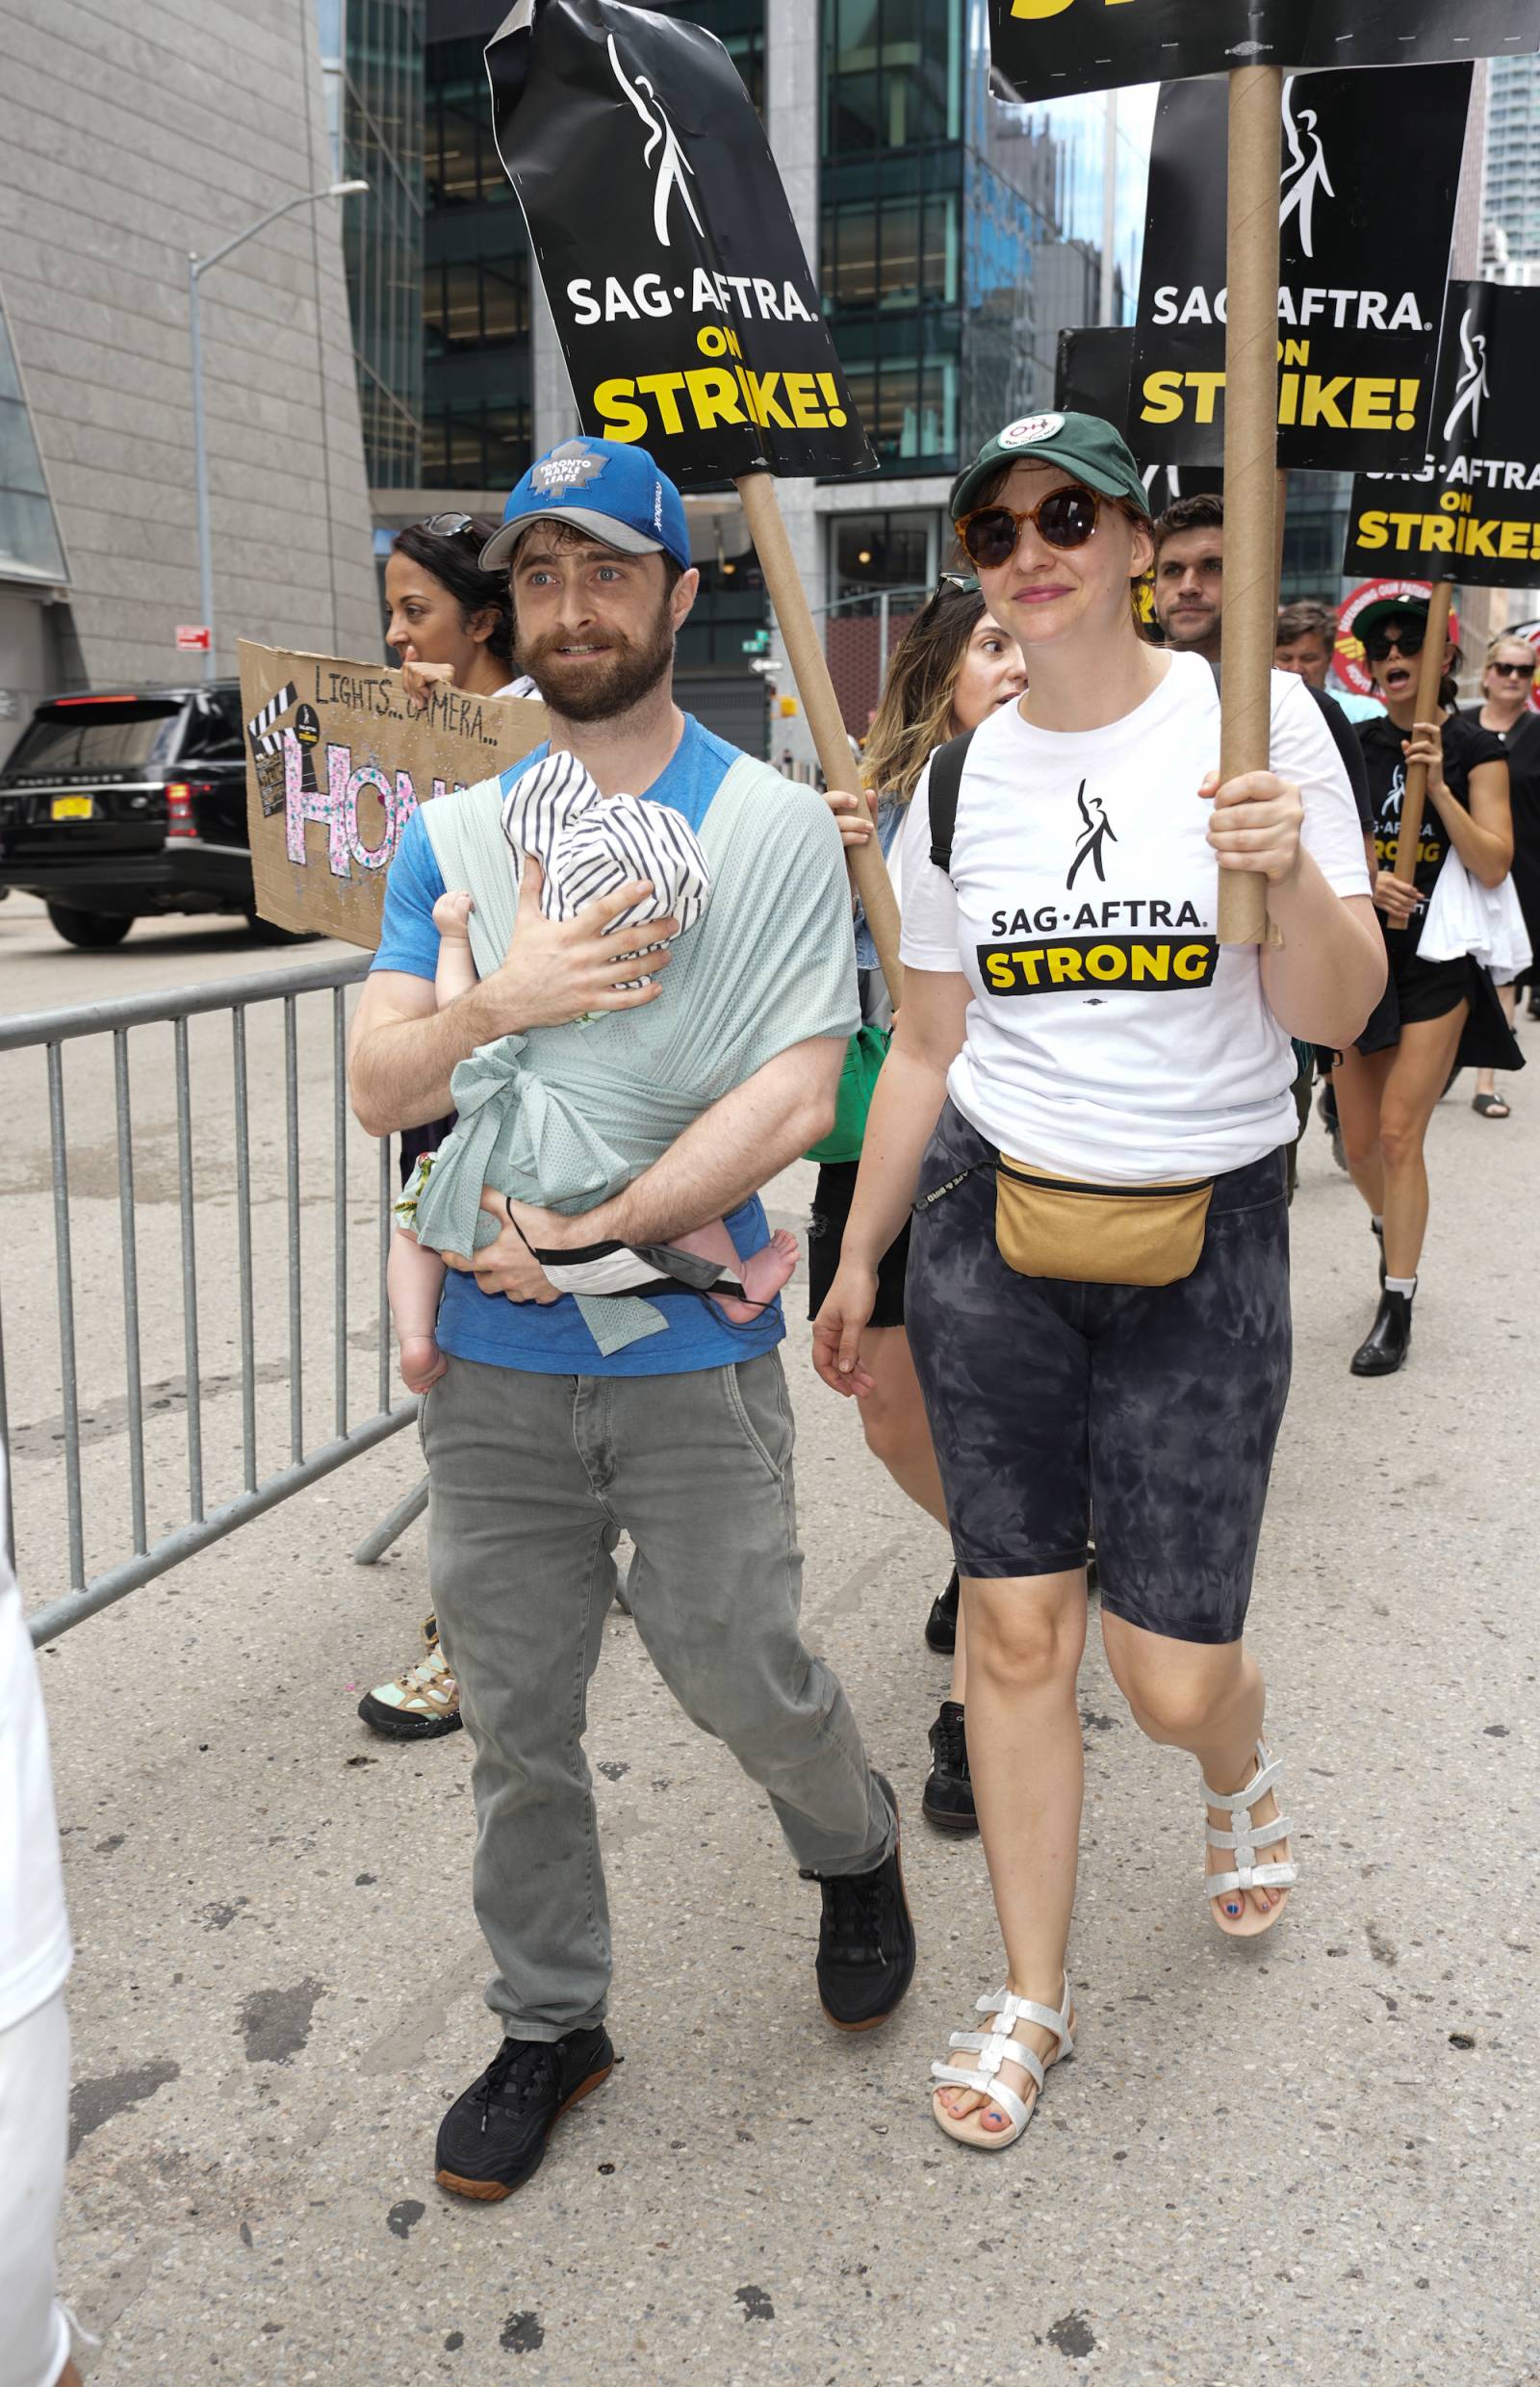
x: 1030, y: 429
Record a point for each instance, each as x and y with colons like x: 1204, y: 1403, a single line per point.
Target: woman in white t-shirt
x: 1069, y: 1016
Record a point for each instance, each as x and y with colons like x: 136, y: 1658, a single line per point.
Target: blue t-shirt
x: 550, y: 1339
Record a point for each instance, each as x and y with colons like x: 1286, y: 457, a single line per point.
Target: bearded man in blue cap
x: 544, y: 1444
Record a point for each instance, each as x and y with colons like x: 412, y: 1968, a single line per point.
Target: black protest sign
x: 1045, y: 48
x: 1472, y: 513
x: 1092, y: 377
x: 681, y: 296
x: 1366, y: 208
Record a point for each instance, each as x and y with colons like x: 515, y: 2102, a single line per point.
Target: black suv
x: 115, y: 805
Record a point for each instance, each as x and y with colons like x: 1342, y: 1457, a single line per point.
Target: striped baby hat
x: 588, y: 844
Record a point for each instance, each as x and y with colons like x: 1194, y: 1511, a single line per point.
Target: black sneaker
x: 948, y: 1800
x: 493, y: 2138
x: 865, y: 1944
x: 941, y: 1625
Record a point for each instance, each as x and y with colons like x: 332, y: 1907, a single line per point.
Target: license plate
x: 72, y: 808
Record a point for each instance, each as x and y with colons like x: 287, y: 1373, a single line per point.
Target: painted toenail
x: 1232, y: 1909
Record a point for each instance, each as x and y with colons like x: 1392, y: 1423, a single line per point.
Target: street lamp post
x: 196, y: 267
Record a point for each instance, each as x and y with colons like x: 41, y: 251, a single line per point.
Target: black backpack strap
x: 945, y: 787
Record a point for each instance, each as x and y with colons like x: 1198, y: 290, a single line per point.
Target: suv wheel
x: 93, y: 929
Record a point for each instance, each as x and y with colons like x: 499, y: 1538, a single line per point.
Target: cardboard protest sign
x: 687, y: 315
x: 1360, y: 302
x: 1045, y: 48
x: 334, y: 768
x: 1094, y: 367
x: 1472, y: 511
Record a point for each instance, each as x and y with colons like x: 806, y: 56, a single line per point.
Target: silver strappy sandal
x: 1245, y: 1841
x: 993, y: 2048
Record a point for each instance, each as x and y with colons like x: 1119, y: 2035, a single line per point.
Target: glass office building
x: 477, y: 419
x: 1511, y: 196
x: 372, y: 54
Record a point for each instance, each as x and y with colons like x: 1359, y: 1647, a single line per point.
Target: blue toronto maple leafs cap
x: 613, y: 491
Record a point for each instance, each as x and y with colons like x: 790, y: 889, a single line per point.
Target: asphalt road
x: 1308, y: 2159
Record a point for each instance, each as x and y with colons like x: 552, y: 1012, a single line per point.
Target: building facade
x: 1511, y: 183
x: 372, y: 57
x: 125, y: 146
x: 954, y: 236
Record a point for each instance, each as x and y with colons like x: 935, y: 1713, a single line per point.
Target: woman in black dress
x: 1506, y: 685
x: 1434, y: 1017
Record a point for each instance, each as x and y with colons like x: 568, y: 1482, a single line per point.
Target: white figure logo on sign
x: 1304, y: 172
x: 1473, y: 385
x: 672, y: 164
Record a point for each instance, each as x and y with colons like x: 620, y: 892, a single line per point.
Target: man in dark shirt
x: 1190, y: 610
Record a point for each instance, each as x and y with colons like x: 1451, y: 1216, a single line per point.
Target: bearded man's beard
x: 603, y: 688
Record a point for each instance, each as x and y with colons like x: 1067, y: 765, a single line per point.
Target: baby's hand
x: 452, y: 916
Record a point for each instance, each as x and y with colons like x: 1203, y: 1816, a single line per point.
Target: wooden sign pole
x: 1251, y: 462
x: 810, y: 669
x: 1431, y: 673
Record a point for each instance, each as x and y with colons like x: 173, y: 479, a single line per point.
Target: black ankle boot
x: 941, y: 1625
x: 948, y: 1800
x: 1384, y: 1349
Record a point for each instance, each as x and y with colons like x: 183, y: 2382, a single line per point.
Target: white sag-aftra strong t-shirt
x: 1110, y: 1035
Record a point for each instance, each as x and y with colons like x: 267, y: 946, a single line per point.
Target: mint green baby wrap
x: 565, y: 1117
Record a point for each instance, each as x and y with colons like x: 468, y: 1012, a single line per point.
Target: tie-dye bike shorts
x: 1155, y: 1407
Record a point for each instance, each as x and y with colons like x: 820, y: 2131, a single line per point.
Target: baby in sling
x: 586, y: 845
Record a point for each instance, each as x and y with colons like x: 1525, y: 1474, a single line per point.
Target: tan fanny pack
x: 1098, y: 1234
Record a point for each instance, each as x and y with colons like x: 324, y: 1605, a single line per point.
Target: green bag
x: 864, y: 1056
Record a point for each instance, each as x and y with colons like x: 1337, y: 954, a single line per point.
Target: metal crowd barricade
x: 51, y: 1031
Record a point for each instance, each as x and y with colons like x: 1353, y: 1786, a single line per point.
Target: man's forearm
x: 728, y: 1153
x: 399, y: 1069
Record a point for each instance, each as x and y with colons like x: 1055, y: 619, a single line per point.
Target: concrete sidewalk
x: 1304, y: 2160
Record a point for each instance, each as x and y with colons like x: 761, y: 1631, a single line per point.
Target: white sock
x: 1401, y: 1284
x: 1377, y: 1224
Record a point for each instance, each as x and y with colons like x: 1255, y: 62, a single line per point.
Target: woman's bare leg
x: 1026, y: 1637
x: 1208, y: 1699
x: 898, y: 1432
x: 1359, y: 1079
x: 1419, y: 1072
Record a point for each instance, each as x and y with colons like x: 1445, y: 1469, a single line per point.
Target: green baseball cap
x: 1083, y: 446
x: 1412, y: 607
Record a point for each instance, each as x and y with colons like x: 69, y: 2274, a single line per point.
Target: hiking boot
x: 865, y: 1944
x: 493, y: 2138
x: 422, y: 1704
x: 948, y: 1800
x: 941, y: 1625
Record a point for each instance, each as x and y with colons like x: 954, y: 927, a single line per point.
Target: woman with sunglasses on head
x: 1508, y: 685
x: 1434, y: 1017
x: 452, y: 626
x: 1091, y: 1101
x: 952, y: 668
x: 451, y: 623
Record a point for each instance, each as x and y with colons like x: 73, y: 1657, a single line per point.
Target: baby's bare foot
x: 423, y: 1363
x: 761, y: 1275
